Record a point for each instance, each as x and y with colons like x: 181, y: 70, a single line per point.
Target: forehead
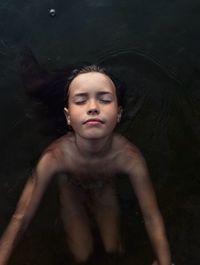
x: 91, y: 81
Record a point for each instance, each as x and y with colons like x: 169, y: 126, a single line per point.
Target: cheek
x: 74, y: 112
x: 112, y: 112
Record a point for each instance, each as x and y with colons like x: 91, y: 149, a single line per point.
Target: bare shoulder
x: 127, y: 148
x: 60, y: 146
x: 129, y: 155
x: 54, y: 156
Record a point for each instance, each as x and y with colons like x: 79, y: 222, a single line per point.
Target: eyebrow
x: 98, y: 93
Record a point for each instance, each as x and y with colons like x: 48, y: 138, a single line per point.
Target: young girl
x: 86, y: 161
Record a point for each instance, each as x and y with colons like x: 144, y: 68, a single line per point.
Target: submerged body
x: 88, y: 187
x: 87, y: 161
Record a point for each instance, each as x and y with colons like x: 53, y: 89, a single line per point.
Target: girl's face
x: 92, y: 111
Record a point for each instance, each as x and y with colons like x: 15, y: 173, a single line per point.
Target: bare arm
x: 27, y: 206
x: 140, y: 180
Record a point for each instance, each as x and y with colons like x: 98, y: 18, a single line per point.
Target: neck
x: 93, y: 147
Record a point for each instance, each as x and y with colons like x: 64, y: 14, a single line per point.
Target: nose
x: 93, y: 108
x: 93, y: 112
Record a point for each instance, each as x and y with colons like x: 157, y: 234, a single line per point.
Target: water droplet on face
x: 52, y: 12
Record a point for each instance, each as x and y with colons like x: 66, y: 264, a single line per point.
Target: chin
x: 94, y: 135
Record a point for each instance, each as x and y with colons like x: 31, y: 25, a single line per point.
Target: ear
x: 119, y: 115
x: 66, y: 112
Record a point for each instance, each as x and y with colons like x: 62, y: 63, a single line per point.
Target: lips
x: 93, y: 121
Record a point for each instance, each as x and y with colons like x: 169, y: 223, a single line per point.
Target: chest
x: 94, y: 169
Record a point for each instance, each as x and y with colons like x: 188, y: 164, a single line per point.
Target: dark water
x: 154, y: 47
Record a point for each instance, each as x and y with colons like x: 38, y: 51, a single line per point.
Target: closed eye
x: 105, y: 101
x: 106, y: 98
x: 79, y: 102
x: 80, y: 99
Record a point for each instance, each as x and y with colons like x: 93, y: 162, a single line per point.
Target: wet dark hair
x: 89, y: 68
